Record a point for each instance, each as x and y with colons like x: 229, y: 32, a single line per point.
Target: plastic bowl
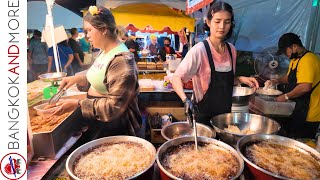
x: 41, y: 111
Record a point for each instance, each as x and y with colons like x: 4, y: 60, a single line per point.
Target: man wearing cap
x: 303, y: 87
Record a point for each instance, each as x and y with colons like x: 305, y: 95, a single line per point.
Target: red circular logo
x: 13, y: 166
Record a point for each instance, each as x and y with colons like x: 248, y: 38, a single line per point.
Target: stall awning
x: 157, y: 16
x: 194, y: 5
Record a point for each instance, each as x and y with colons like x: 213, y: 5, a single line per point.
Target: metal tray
x: 48, y: 144
x: 52, y: 77
x: 268, y: 105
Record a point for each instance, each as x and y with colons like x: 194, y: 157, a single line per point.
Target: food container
x: 256, y: 123
x: 41, y: 111
x: 142, y: 65
x: 241, y: 95
x: 179, y: 129
x: 260, y: 173
x: 47, y: 144
x: 268, y: 105
x: 145, y: 53
x: 159, y: 66
x: 167, y: 146
x: 151, y: 66
x: 145, y: 174
x: 30, y: 150
x: 146, y: 85
x: 173, y: 63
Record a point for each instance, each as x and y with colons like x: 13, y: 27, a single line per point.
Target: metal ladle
x: 195, y: 131
x: 193, y: 125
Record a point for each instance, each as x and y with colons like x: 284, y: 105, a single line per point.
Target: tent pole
x: 51, y: 26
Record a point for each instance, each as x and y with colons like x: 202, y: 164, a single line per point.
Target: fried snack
x: 47, y: 123
x: 48, y: 106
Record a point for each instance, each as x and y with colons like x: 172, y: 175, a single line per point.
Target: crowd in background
x: 72, y: 53
x: 76, y: 53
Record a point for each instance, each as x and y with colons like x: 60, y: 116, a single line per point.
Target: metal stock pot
x: 241, y: 95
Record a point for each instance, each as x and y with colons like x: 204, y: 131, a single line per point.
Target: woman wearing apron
x: 211, y: 66
x: 111, y: 106
x: 302, y: 81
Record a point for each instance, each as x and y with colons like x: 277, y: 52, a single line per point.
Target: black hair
x: 166, y: 38
x: 103, y: 20
x: 288, y: 40
x: 216, y: 7
x: 37, y: 33
x: 73, y: 31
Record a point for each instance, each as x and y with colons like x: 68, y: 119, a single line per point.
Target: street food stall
x: 242, y: 138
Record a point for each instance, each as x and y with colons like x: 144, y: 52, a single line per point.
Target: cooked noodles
x: 211, y: 161
x: 283, y: 160
x: 113, y: 161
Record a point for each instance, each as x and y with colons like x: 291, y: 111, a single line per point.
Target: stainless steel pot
x: 260, y: 173
x: 179, y: 129
x: 175, y: 142
x: 241, y: 95
x: 146, y: 174
x: 258, y: 124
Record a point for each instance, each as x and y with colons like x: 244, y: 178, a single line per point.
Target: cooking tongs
x: 55, y: 98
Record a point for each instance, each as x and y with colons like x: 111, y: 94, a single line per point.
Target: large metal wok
x: 175, y: 142
x: 146, y: 174
x: 260, y: 173
x: 258, y: 125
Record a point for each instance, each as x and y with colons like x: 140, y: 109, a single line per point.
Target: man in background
x: 132, y: 46
x: 303, y: 87
x: 77, y: 63
x: 37, y: 55
x: 166, y: 49
x: 154, y: 47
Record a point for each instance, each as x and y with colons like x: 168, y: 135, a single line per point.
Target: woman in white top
x: 211, y: 66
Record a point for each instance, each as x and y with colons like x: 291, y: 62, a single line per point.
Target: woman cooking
x: 112, y: 80
x: 211, y: 66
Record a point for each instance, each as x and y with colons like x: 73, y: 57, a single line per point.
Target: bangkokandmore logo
x: 13, y: 166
